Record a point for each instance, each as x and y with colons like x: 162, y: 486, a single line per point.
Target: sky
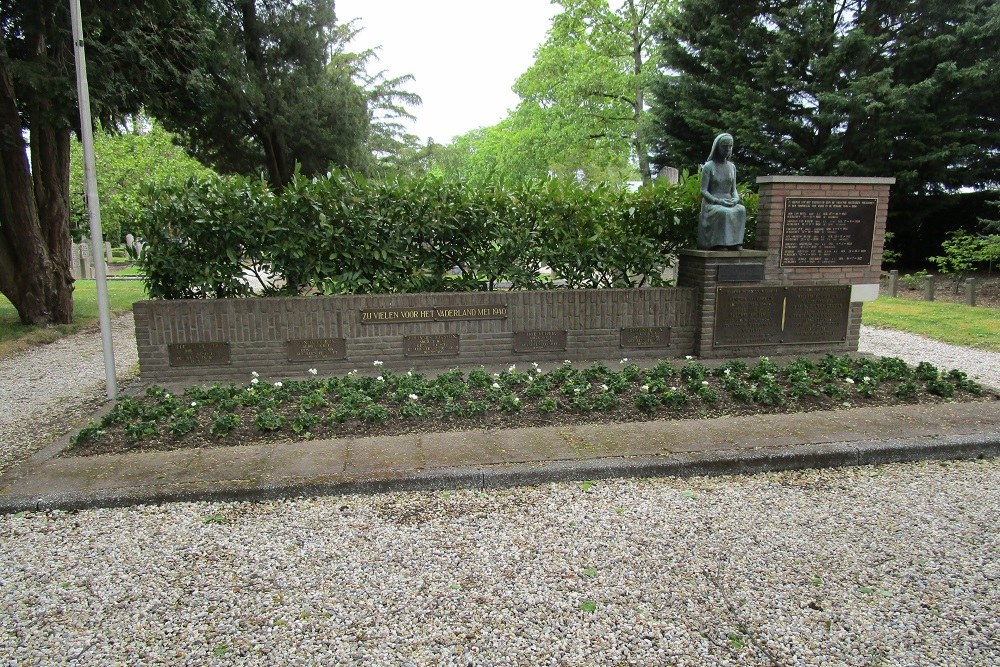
x: 464, y: 54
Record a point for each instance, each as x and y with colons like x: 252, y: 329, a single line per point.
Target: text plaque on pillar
x: 828, y: 231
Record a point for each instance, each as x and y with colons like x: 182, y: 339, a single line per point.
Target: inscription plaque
x: 645, y: 337
x: 539, y: 341
x: 434, y: 314
x: 817, y: 314
x: 430, y: 345
x: 316, y: 349
x: 822, y: 231
x: 736, y: 273
x: 748, y: 316
x: 198, y: 354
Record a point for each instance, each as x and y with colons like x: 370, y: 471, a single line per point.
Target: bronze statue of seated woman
x: 723, y: 219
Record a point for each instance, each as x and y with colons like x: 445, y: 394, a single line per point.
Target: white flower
x: 496, y: 375
x: 255, y: 374
x: 644, y: 387
x: 380, y: 378
x: 866, y: 379
x: 725, y: 371
x: 673, y: 389
x: 278, y: 385
x: 378, y: 363
x: 848, y: 380
x: 254, y: 381
x: 512, y: 367
x: 166, y: 395
x: 409, y: 374
x: 688, y: 357
x: 194, y: 404
x: 313, y: 371
x: 704, y: 383
x: 568, y: 362
x: 354, y: 372
x: 535, y: 364
x: 517, y: 400
x: 604, y: 387
x: 412, y: 397
x: 496, y: 386
x: 576, y: 390
x: 623, y: 361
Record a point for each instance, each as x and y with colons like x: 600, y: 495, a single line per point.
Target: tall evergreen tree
x: 905, y: 88
x: 137, y: 52
x: 268, y: 99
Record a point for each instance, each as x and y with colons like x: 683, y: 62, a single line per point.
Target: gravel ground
x: 894, y: 565
x: 49, y: 389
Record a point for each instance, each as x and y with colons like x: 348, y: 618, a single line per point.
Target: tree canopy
x: 838, y: 87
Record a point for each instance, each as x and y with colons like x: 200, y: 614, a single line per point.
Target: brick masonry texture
x: 258, y: 330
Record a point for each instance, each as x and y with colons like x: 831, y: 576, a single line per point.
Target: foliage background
x: 346, y: 234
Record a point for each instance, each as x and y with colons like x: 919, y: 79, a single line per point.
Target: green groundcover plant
x: 385, y: 402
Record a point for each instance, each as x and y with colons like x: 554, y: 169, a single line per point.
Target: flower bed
x: 392, y: 403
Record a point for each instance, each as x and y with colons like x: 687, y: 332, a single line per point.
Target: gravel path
x: 894, y: 565
x: 46, y: 390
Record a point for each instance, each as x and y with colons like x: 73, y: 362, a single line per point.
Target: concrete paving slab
x: 495, y: 458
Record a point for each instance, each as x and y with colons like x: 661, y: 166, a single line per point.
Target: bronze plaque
x: 430, y: 345
x: 817, y: 314
x: 490, y: 312
x: 739, y: 273
x: 198, y: 354
x: 828, y: 231
x: 645, y: 337
x: 316, y: 349
x: 748, y: 316
x: 539, y: 341
x: 390, y: 315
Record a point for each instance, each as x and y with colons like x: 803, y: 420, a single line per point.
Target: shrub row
x: 344, y: 234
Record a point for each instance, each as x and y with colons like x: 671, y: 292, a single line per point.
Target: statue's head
x: 722, y: 147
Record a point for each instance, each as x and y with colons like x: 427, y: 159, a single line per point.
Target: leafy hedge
x: 344, y: 234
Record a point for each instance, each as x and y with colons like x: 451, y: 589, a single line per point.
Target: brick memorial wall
x: 817, y: 260
x: 226, y: 339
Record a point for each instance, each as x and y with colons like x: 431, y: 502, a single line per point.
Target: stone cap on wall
x: 846, y: 180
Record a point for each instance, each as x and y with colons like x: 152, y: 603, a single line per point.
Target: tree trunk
x: 34, y: 214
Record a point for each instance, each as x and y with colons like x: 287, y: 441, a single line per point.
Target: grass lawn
x: 949, y: 322
x: 16, y: 336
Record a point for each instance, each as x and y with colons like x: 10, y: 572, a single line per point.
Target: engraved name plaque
x: 198, y: 354
x: 430, y: 345
x: 539, y: 341
x: 748, y: 316
x: 316, y: 349
x: 645, y: 337
x: 737, y: 273
x: 828, y: 231
x: 817, y: 314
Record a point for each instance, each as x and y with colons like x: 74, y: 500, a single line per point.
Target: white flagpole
x: 93, y: 205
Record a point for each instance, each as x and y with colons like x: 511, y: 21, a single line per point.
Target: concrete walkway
x: 481, y: 459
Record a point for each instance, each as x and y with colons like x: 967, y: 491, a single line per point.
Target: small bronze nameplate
x: 748, y: 316
x: 430, y: 345
x: 198, y: 354
x: 645, y: 337
x: 828, y: 231
x: 316, y: 349
x: 817, y: 314
x: 539, y: 341
x: 740, y: 273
